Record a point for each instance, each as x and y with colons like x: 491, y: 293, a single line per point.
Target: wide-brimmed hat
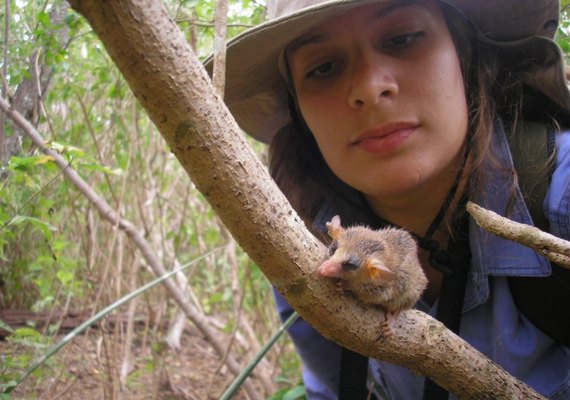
x: 256, y: 92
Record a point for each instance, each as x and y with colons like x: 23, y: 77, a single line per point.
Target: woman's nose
x: 371, y: 83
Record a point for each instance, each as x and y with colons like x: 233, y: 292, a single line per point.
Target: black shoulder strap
x: 353, y: 376
x: 542, y: 300
x: 532, y: 145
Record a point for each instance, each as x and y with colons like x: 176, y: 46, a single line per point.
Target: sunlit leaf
x: 295, y: 393
x: 102, y: 168
x: 64, y: 276
x: 43, y: 159
x: 5, y: 326
x: 66, y: 149
x: 43, y: 226
x: 43, y: 18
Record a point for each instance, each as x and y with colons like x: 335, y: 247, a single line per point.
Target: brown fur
x: 384, y: 266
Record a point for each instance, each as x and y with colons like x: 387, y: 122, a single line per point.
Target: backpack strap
x: 353, y: 376
x: 542, y: 300
x: 532, y: 145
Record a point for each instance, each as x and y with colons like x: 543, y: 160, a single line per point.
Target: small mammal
x: 380, y: 267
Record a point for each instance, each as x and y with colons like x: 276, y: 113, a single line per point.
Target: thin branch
x: 5, y: 48
x: 219, y: 75
x: 555, y: 249
x: 97, y: 147
x: 36, y: 69
x: 5, y: 87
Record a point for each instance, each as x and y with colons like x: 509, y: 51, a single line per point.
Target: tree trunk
x: 32, y: 89
x: 170, y: 82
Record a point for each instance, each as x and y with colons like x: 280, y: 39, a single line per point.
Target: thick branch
x: 555, y: 249
x: 168, y: 79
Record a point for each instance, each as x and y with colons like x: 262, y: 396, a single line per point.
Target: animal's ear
x: 334, y: 228
x: 378, y: 271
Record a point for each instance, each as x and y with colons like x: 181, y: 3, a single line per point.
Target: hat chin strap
x: 438, y: 257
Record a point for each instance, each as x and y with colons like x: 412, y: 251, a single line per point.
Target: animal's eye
x: 332, y: 247
x: 347, y: 266
x: 352, y: 262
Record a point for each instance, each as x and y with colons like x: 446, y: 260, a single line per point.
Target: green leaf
x: 103, y: 169
x: 5, y: 326
x: 29, y: 337
x: 564, y: 45
x: 42, y: 226
x: 43, y: 159
x: 7, y: 387
x: 64, y: 276
x: 76, y: 152
x: 23, y: 163
x: 43, y: 18
x: 295, y: 393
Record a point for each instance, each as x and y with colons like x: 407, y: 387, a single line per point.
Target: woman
x: 396, y: 113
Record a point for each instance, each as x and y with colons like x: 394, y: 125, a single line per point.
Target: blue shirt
x: 490, y: 322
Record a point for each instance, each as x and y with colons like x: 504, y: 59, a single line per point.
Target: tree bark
x: 31, y: 90
x: 171, y: 84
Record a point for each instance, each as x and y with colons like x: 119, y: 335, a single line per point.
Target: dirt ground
x: 81, y: 370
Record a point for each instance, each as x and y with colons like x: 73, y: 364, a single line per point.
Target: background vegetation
x: 57, y: 254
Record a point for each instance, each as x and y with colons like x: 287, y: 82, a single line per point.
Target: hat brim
x: 256, y: 93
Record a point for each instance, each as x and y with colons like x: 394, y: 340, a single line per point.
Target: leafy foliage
x: 563, y: 35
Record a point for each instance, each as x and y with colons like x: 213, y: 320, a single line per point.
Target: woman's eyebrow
x: 317, y: 38
x: 306, y: 40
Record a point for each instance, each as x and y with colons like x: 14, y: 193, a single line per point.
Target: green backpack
x: 543, y: 300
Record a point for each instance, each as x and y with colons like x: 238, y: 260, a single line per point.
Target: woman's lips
x: 384, y: 138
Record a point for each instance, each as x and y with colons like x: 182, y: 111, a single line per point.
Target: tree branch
x: 555, y: 249
x: 170, y: 82
x: 221, y: 22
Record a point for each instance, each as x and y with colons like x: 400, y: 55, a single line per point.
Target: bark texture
x: 33, y: 89
x: 168, y: 79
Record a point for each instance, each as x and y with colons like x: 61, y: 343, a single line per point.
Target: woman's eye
x: 323, y: 70
x: 403, y: 41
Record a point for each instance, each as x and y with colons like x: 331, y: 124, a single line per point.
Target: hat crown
x: 280, y: 8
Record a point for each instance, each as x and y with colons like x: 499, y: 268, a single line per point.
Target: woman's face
x: 381, y: 90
